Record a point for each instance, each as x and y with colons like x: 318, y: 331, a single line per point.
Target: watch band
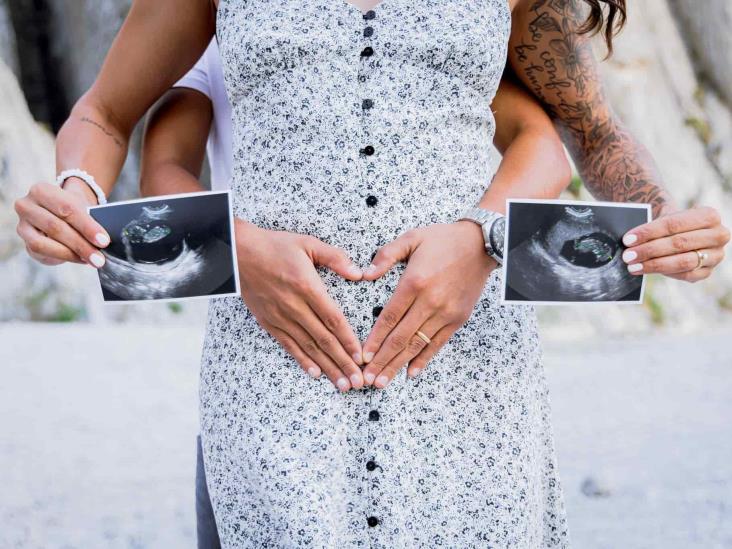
x: 486, y: 219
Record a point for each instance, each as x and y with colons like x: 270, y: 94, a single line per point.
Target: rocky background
x: 670, y: 79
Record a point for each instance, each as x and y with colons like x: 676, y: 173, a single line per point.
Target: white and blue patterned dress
x: 354, y: 128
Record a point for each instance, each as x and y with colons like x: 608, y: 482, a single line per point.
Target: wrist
x: 492, y: 225
x: 245, y: 233
x: 79, y: 187
x: 472, y: 236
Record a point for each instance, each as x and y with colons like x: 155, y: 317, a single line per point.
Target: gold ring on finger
x: 703, y: 256
x: 423, y: 337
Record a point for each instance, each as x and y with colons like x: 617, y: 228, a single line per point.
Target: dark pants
x: 208, y: 535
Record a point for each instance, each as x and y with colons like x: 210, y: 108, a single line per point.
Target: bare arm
x: 175, y: 143
x: 557, y: 65
x: 534, y: 164
x: 159, y: 41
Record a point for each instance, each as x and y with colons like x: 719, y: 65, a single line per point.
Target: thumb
x: 335, y: 259
x: 389, y: 255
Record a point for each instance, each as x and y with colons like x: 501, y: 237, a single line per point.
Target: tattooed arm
x: 556, y: 63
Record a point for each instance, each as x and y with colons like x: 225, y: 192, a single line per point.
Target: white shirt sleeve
x: 197, y: 78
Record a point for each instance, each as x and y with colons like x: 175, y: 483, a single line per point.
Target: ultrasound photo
x: 570, y: 252
x: 169, y: 248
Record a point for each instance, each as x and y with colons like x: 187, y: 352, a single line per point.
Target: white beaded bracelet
x: 87, y: 178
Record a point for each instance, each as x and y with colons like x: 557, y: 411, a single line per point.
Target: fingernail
x: 629, y: 255
x: 369, y: 377
x: 102, y: 239
x: 381, y: 381
x: 357, y: 358
x: 97, y: 260
x: 629, y: 239
x: 354, y: 270
x: 314, y: 372
x: 342, y: 384
x: 368, y: 357
x: 370, y: 270
x: 635, y: 268
x: 416, y: 372
x: 356, y: 379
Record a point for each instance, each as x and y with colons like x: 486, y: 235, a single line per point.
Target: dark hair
x: 609, y: 24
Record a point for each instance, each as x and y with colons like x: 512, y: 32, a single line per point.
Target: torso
x: 355, y: 129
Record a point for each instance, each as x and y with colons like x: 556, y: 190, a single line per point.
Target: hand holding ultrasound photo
x: 170, y: 247
x: 570, y: 252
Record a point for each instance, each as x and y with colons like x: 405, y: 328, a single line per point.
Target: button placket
x: 367, y: 154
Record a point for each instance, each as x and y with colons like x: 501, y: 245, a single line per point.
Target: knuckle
x: 452, y: 313
x: 332, y: 322
x: 20, y: 206
x: 300, y: 286
x: 82, y: 250
x: 377, y: 365
x: 36, y: 191
x: 673, y: 225
x: 416, y: 345
x: 417, y: 283
x: 712, y: 215
x: 687, y: 262
x: 65, y: 209
x: 435, y: 301
x: 461, y: 318
x: 309, y: 346
x: 35, y: 245
x: 388, y: 319
x: 412, y: 234
x: 725, y: 236
x: 309, y: 242
x: 326, y: 341
x: 397, y: 342
x: 680, y: 242
x: 53, y: 227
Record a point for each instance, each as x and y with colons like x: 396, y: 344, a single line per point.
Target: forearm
x: 174, y: 146
x: 615, y: 166
x: 555, y: 61
x: 533, y: 166
x: 88, y: 140
x: 168, y: 178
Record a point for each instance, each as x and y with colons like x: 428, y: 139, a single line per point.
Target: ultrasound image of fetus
x: 166, y: 249
x: 571, y: 253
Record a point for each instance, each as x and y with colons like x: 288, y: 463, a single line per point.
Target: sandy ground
x: 97, y: 434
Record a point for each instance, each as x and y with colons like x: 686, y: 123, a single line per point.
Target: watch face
x: 498, y: 231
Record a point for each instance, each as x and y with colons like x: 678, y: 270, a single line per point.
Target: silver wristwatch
x: 493, y: 225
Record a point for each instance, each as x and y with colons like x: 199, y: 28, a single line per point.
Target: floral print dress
x: 355, y: 127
